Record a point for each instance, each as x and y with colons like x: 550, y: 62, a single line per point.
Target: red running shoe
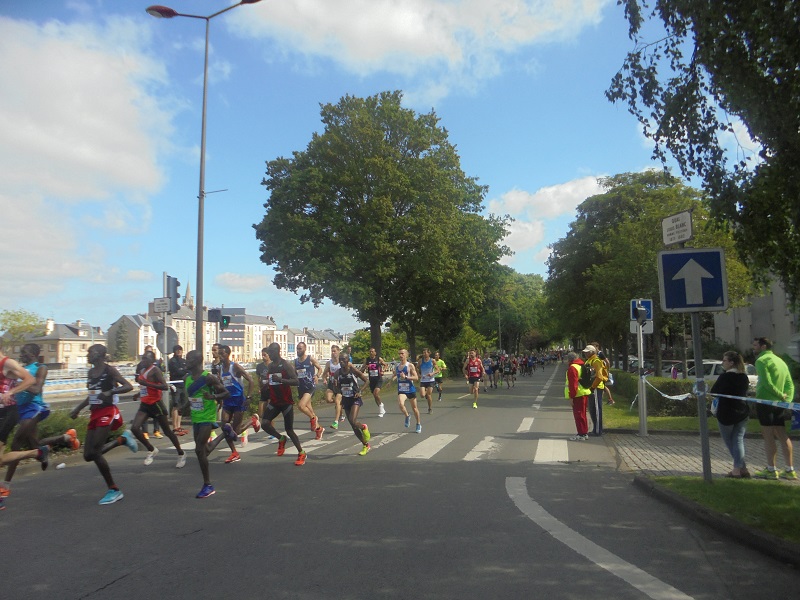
x: 234, y: 457
x: 282, y: 445
x: 301, y: 459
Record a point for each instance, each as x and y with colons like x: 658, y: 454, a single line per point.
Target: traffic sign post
x: 695, y: 280
x: 641, y: 323
x: 160, y: 305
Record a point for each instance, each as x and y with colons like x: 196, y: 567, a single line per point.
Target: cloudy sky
x: 100, y: 111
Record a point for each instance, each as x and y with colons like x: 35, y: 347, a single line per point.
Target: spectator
x: 733, y: 414
x: 578, y: 395
x: 598, y: 385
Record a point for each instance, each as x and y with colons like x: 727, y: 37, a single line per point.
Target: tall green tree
x: 708, y: 65
x: 121, y: 350
x: 375, y: 204
x: 17, y: 324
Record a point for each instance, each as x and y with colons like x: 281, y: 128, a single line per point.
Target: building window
x: 52, y: 347
x: 67, y: 347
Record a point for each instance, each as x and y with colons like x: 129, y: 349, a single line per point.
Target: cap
x: 590, y: 349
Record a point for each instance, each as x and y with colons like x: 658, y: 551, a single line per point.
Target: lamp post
x: 164, y: 12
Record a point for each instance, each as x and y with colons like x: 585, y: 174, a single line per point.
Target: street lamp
x: 164, y: 12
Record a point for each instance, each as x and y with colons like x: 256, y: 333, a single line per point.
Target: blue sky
x: 100, y: 114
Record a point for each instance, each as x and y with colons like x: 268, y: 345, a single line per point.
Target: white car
x: 712, y: 369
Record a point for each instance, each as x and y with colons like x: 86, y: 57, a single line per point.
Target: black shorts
x: 375, y: 382
x: 474, y: 380
x: 9, y: 417
x: 178, y: 399
x: 153, y: 410
x: 349, y: 402
x: 771, y: 416
x: 426, y: 384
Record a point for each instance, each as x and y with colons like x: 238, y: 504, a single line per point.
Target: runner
x: 507, y: 366
x: 487, y: 370
x: 374, y: 367
x: 205, y: 392
x: 427, y: 371
x: 151, y: 388
x: 235, y: 405
x: 406, y: 374
x: 282, y: 377
x: 105, y: 386
x: 332, y: 392
x: 473, y: 371
x: 262, y: 375
x: 352, y: 401
x: 439, y: 376
x: 32, y: 409
x: 307, y: 369
x: 177, y: 393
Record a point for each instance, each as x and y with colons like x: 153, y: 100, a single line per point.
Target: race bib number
x: 301, y: 373
x: 142, y: 391
x: 403, y: 387
x: 196, y: 404
x: 374, y: 373
x: 275, y: 379
x: 95, y: 398
x: 264, y: 381
x: 347, y: 390
x: 227, y: 380
x: 473, y: 370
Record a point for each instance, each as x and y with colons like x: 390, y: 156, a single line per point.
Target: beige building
x: 63, y: 346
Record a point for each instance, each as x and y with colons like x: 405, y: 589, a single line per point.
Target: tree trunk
x: 375, y: 330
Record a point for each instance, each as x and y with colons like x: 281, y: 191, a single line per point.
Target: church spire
x: 187, y: 299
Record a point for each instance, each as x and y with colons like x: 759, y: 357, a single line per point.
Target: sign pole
x: 641, y: 383
x: 164, y: 315
x: 700, y: 384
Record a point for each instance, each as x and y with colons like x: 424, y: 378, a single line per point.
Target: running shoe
x: 256, y: 422
x: 334, y: 425
x: 365, y: 449
x: 430, y: 410
x: 365, y: 432
x: 314, y: 423
x: 234, y: 457
x: 320, y: 431
x: 341, y: 418
x: 179, y: 431
x: 418, y: 429
x: 230, y: 434
x: 282, y: 445
x: 578, y: 438
x: 766, y: 474
x: 381, y: 410
x: 301, y: 459
x: 181, y: 461
x: 474, y: 405
x: 72, y: 439
x: 150, y: 457
x: 130, y: 441
x: 5, y: 492
x: 785, y: 475
x: 146, y: 436
x: 206, y: 491
x: 158, y: 435
x: 111, y: 497
x: 44, y: 457
x: 408, y: 420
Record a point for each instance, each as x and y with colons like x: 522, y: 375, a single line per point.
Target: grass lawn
x: 769, y: 506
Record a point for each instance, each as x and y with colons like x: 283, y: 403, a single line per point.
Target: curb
x: 775, y: 547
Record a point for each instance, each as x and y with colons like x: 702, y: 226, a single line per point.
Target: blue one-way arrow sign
x: 692, y: 280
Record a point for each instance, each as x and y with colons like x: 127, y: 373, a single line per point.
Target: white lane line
x: 484, y: 449
x: 631, y: 574
x: 526, y: 425
x: 427, y: 448
x: 537, y: 406
x: 551, y: 451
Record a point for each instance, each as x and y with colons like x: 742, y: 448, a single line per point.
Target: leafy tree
x: 374, y: 207
x: 17, y: 324
x: 361, y: 343
x: 712, y: 64
x: 121, y: 351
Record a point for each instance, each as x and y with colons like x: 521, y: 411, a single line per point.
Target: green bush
x: 56, y: 424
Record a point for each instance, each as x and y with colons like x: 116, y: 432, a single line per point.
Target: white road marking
x: 526, y: 425
x: 551, y: 451
x: 631, y: 574
x: 430, y: 446
x: 484, y: 449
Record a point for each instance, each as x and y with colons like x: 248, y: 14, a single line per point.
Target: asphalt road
x: 486, y: 503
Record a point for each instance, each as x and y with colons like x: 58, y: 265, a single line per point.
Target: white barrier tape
x: 779, y: 404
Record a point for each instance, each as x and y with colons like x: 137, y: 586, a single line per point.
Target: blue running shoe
x: 230, y: 434
x: 130, y: 441
x: 111, y: 497
x: 206, y: 491
x: 408, y: 420
x: 418, y: 429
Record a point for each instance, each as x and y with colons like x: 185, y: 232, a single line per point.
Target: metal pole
x: 699, y: 372
x: 642, y: 385
x: 164, y: 350
x: 200, y: 333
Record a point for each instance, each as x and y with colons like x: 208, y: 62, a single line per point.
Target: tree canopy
x: 17, y: 324
x: 377, y: 216
x: 713, y: 64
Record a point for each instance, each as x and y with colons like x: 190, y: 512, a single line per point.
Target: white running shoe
x: 150, y: 457
x: 381, y: 410
x: 181, y: 461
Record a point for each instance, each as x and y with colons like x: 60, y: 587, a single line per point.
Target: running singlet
x: 348, y: 385
x: 305, y: 373
x: 404, y: 386
x: 442, y: 366
x: 374, y: 367
x: 147, y: 394
x: 6, y: 383
x: 24, y: 397
x: 101, y: 383
x: 280, y: 393
x: 201, y: 399
x: 474, y: 368
x: 426, y: 371
x: 232, y: 384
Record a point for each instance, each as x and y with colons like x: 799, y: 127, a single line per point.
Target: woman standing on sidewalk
x: 732, y: 414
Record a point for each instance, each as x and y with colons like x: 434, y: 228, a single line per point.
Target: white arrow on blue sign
x: 693, y: 280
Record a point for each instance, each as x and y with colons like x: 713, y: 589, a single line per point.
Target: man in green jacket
x: 774, y: 383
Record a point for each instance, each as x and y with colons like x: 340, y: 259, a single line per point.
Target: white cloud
x: 438, y: 42
x: 547, y: 202
x: 244, y: 284
x: 134, y: 275
x: 523, y: 235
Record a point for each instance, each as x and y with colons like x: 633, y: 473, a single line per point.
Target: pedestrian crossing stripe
x: 485, y: 449
x: 551, y: 451
x: 526, y: 425
x: 429, y: 446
